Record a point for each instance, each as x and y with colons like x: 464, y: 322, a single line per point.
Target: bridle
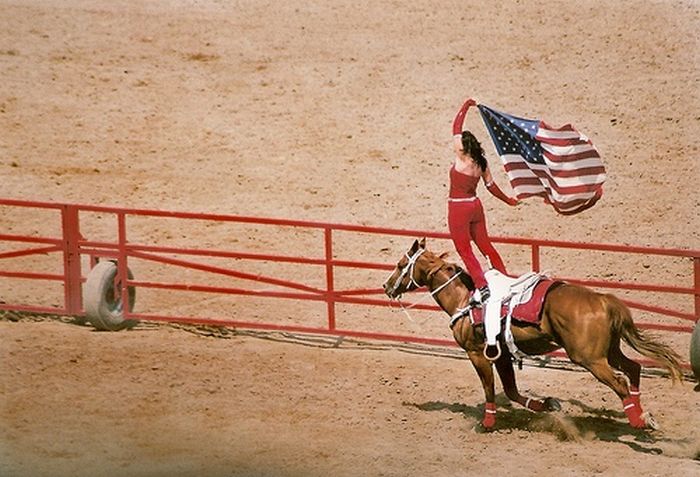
x: 407, y: 270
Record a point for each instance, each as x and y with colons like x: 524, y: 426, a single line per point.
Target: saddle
x: 521, y: 300
x: 521, y: 297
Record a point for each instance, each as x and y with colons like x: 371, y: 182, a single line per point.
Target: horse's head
x: 419, y: 267
x: 413, y: 271
x: 404, y: 277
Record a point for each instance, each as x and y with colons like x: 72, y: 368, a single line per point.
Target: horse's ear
x: 414, y: 247
x: 444, y: 255
x: 422, y: 243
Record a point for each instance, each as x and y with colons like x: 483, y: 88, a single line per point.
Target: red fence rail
x: 72, y: 245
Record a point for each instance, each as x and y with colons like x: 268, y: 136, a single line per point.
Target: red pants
x: 467, y: 223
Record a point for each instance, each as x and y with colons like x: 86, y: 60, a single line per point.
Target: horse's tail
x: 642, y: 342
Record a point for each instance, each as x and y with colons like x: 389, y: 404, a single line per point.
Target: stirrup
x: 498, y: 354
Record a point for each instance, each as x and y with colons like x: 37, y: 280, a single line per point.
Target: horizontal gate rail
x: 71, y: 245
x: 224, y: 271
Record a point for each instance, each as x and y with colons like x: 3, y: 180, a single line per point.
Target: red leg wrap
x: 634, y: 413
x: 489, y: 415
x: 635, y: 395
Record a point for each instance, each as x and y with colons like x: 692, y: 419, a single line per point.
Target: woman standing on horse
x: 466, y: 220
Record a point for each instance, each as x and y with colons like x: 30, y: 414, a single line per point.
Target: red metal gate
x: 74, y: 249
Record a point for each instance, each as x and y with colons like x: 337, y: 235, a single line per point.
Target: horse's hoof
x: 481, y: 428
x: 650, y: 422
x: 552, y: 404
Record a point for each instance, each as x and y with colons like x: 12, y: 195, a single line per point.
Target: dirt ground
x: 340, y: 112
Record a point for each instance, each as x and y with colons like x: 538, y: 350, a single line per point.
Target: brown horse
x: 588, y: 325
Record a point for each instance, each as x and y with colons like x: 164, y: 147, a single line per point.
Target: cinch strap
x: 461, y: 312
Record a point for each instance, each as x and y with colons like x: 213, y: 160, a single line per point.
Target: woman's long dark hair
x: 472, y: 146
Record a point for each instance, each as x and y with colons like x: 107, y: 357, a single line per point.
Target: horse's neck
x: 452, y: 296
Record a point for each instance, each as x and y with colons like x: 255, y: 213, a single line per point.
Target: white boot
x: 492, y: 320
x: 492, y: 327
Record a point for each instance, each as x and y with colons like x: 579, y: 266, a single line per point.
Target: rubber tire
x: 101, y: 309
x: 695, y: 351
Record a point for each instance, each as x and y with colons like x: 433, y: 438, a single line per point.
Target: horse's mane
x: 466, y: 278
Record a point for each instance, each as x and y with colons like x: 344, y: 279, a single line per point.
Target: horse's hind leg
x: 602, y: 370
x: 631, y: 368
x: 504, y: 366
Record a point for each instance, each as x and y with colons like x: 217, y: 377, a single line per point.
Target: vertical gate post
x: 122, y: 267
x: 73, y: 291
x: 696, y: 273
x: 328, y: 235
x: 535, y: 258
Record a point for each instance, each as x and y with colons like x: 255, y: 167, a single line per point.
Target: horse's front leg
x: 485, y: 371
x: 504, y: 366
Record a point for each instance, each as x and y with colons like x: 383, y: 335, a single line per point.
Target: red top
x: 462, y: 186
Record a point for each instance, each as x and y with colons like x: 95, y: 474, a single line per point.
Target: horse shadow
x: 594, y: 424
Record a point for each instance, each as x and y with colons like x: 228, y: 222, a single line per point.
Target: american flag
x: 559, y: 164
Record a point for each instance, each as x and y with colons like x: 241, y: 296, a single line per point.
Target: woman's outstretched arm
x: 495, y: 190
x: 458, y: 123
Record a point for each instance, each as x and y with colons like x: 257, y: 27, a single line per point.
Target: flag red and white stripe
x: 571, y: 177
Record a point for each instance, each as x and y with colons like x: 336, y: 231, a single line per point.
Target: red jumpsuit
x: 466, y: 221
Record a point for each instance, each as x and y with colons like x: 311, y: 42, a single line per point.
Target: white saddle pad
x: 503, y: 287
